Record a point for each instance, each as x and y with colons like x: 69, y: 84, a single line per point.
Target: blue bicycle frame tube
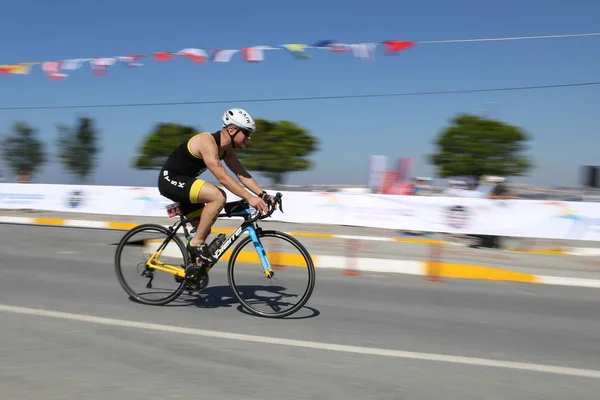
x: 259, y: 247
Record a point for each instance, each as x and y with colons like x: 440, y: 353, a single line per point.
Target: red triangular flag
x: 100, y: 65
x: 52, y: 70
x: 254, y: 54
x: 196, y: 55
x: 394, y: 46
x: 163, y: 56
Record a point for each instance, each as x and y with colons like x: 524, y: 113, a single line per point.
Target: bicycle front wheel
x: 152, y: 286
x: 292, y: 284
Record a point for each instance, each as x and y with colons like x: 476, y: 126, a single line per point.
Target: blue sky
x: 564, y: 122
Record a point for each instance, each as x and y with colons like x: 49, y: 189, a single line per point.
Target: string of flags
x: 57, y: 70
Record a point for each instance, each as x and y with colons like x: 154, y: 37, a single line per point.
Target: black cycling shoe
x: 201, y: 252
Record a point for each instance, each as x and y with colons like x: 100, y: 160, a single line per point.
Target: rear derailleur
x: 148, y: 273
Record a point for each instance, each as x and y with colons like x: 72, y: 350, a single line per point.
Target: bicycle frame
x: 247, y: 226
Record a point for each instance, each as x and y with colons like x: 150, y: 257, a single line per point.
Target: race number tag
x: 174, y: 210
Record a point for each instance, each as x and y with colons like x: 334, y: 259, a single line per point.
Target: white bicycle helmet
x: 240, y: 118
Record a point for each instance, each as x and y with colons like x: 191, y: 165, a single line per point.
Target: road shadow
x: 272, y: 299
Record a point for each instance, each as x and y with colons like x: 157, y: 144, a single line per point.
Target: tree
x: 478, y: 146
x: 78, y: 148
x: 23, y: 152
x: 278, y: 148
x: 159, y: 144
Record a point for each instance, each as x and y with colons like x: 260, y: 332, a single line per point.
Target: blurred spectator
x: 488, y: 184
x: 422, y: 187
x: 463, y: 186
x: 501, y: 192
x: 24, y: 177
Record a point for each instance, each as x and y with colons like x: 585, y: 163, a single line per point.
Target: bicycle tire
x: 149, y: 227
x: 309, y: 264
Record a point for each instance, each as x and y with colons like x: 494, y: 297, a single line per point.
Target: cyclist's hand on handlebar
x: 270, y: 199
x: 259, y: 204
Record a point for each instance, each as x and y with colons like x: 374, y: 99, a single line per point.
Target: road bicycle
x: 193, y: 276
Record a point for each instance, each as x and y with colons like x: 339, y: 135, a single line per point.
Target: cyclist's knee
x: 222, y: 198
x: 210, y: 194
x: 218, y: 197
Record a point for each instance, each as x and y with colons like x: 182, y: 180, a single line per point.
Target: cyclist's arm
x: 242, y: 174
x: 207, y: 149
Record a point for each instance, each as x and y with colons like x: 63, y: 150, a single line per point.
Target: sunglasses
x: 245, y: 132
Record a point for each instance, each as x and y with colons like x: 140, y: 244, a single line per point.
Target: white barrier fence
x: 514, y: 218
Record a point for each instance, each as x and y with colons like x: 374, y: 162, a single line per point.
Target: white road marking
x: 374, y: 238
x: 569, y: 281
x: 17, y: 220
x: 76, y: 223
x: 551, y: 369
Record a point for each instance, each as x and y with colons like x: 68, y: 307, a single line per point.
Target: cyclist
x: 177, y: 180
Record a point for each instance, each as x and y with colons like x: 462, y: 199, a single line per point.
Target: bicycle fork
x: 261, y: 252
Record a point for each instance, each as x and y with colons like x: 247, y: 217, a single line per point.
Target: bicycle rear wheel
x: 288, y: 257
x: 148, y: 238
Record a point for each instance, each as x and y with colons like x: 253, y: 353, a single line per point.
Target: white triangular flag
x: 223, y: 55
x: 364, y: 50
x: 74, y: 64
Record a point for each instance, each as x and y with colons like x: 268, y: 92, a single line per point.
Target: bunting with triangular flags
x: 57, y: 70
x: 54, y: 70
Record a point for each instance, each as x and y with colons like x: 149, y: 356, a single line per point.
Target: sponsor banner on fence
x: 519, y: 218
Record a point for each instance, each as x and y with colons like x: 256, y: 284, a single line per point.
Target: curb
x: 430, y: 270
x: 115, y: 225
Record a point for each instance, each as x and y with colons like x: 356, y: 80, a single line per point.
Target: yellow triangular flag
x: 21, y: 69
x: 298, y: 50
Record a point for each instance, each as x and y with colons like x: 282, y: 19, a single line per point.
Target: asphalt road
x: 364, y: 337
